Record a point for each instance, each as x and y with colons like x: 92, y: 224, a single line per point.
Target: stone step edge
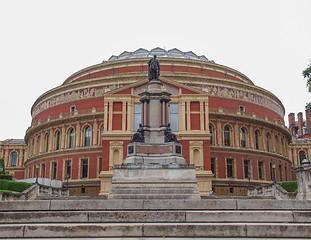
x: 251, y: 230
x: 155, y: 216
x: 164, y: 204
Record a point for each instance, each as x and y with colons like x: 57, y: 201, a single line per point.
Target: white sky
x: 44, y: 42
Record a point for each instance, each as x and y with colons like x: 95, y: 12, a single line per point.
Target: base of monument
x: 154, y: 181
x: 166, y: 159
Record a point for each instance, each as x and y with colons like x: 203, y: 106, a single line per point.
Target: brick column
x: 300, y: 123
x: 308, y: 120
x: 291, y: 124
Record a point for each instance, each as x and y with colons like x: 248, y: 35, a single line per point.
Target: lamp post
x: 37, y: 167
x: 273, y: 168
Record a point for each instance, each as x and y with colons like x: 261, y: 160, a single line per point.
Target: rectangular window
x: 257, y: 140
x: 286, y: 174
x: 14, y: 159
x: 271, y: 172
x: 84, y: 168
x: 137, y: 116
x: 260, y: 171
x: 280, y: 171
x: 72, y: 109
x: 57, y: 140
x: 213, y: 166
x: 100, y: 164
x: 242, y: 109
x: 68, y: 170
x: 246, y: 168
x: 174, y: 117
x: 243, y: 138
x: 43, y: 170
x: 54, y: 170
x: 47, y: 143
x: 230, y: 168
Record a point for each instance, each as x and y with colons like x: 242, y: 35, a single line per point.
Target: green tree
x: 2, y: 163
x: 307, y: 75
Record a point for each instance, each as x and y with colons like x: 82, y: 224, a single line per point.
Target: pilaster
x: 202, y: 116
x: 110, y: 115
x: 78, y: 138
x: 188, y: 116
x: 124, y: 113
x: 63, y: 137
x: 95, y: 131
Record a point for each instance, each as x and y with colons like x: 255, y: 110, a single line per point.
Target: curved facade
x: 230, y: 128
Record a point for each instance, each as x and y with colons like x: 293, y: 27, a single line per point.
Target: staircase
x: 156, y: 219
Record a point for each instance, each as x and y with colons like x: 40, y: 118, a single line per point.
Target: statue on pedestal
x: 154, y: 69
x: 169, y: 136
x: 139, y: 135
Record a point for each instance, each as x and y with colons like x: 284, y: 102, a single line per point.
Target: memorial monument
x: 154, y: 167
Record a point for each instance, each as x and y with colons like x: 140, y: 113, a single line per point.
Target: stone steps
x: 181, y: 230
x: 208, y: 218
x: 177, y: 190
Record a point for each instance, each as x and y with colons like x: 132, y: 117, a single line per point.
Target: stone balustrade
x: 35, y: 191
x: 271, y: 191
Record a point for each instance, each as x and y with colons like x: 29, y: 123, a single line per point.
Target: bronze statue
x: 169, y: 136
x: 139, y: 135
x: 154, y: 69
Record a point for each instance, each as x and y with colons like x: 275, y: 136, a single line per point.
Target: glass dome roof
x: 159, y: 52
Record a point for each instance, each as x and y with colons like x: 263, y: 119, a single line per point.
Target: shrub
x: 2, y: 163
x: 8, y: 177
x: 13, y: 185
x: 289, y: 186
x: 6, y: 191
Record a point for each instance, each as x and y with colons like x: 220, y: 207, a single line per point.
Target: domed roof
x: 159, y: 52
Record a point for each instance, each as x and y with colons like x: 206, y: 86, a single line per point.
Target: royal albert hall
x: 231, y: 129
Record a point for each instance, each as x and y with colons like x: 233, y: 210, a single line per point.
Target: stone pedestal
x: 303, y: 174
x: 154, y: 181
x: 154, y: 167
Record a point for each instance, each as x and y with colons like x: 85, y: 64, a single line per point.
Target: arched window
x: 268, y: 142
x: 33, y: 147
x: 101, y: 130
x: 281, y: 146
x: 87, y: 136
x: 257, y: 139
x: 71, y: 138
x: 38, y: 145
x: 277, y: 144
x: 57, y: 140
x: 211, y: 130
x: 243, y: 138
x: 46, y: 141
x: 226, y: 136
x: 302, y: 156
x: 13, y: 159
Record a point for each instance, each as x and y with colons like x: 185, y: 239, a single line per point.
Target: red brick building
x: 231, y: 129
x: 300, y: 146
